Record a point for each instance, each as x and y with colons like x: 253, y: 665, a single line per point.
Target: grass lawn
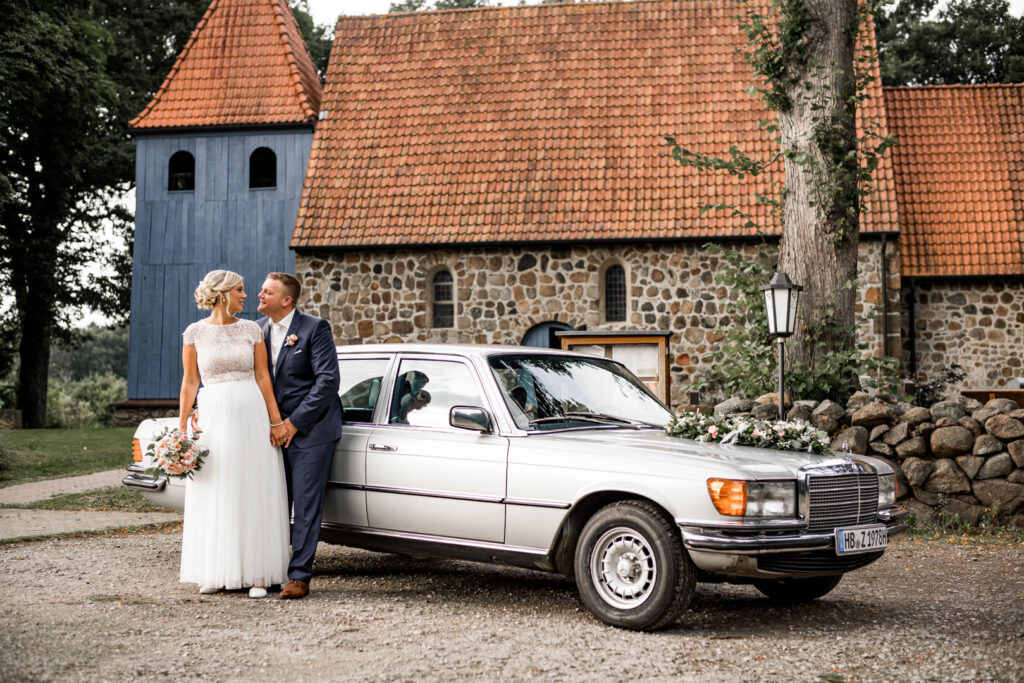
x: 115, y: 498
x: 32, y: 454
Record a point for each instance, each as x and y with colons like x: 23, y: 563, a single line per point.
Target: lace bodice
x: 224, y: 351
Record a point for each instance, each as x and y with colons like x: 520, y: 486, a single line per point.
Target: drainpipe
x: 885, y: 302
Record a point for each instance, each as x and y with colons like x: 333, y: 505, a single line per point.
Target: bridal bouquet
x: 794, y: 435
x: 176, y: 454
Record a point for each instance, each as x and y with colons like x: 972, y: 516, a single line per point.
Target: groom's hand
x: 290, y: 431
x: 282, y: 434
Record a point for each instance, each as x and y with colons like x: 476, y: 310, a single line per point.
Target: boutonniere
x: 291, y: 339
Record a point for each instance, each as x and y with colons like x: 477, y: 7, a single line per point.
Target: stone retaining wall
x: 959, y: 455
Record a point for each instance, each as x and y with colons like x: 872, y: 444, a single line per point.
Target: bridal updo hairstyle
x: 216, y: 284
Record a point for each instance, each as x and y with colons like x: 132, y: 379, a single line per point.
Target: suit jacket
x: 306, y: 379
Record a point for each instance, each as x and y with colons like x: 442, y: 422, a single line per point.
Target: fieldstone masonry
x: 976, y: 324
x: 501, y: 292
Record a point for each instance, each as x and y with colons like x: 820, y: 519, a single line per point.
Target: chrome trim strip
x: 700, y: 539
x: 528, y: 502
x: 741, y: 525
x: 143, y: 482
x: 426, y: 538
x: 452, y: 496
x: 135, y: 468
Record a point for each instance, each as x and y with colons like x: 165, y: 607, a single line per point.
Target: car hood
x: 657, y: 447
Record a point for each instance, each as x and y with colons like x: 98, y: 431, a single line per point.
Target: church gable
x: 245, y: 64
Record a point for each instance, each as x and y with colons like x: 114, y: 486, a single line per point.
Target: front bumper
x: 138, y: 479
x: 163, y: 492
x: 735, y: 552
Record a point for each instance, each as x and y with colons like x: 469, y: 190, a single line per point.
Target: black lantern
x: 780, y: 299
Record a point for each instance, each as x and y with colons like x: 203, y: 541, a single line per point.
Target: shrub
x: 85, y: 402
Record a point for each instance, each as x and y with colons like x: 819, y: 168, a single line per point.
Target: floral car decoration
x: 795, y: 435
x: 175, y: 454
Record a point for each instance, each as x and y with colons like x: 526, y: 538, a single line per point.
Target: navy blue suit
x: 306, y: 383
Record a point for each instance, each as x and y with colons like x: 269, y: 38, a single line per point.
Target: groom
x: 304, y: 369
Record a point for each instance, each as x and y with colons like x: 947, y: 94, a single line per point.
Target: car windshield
x: 546, y: 392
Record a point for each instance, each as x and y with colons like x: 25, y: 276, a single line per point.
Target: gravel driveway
x: 110, y: 608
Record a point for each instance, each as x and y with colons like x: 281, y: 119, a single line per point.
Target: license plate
x: 861, y: 539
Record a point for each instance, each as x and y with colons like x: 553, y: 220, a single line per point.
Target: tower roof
x: 245, y: 64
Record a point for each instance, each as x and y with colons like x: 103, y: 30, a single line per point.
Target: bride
x: 236, y: 508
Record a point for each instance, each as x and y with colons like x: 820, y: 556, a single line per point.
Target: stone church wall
x: 501, y: 292
x: 977, y: 324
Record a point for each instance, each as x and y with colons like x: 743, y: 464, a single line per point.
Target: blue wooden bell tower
x: 221, y: 154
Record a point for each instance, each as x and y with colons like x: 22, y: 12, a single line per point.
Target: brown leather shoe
x: 295, y: 589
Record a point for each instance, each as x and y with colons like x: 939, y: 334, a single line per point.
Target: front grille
x: 816, y: 562
x: 841, y: 500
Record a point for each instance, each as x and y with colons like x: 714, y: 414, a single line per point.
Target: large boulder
x: 983, y: 414
x: 970, y: 404
x: 924, y: 430
x: 831, y: 409
x: 1017, y: 476
x: 877, y: 431
x: 858, y: 401
x: 734, y: 405
x: 970, y: 464
x: 765, y: 411
x: 1016, y: 451
x: 916, y: 416
x: 880, y: 448
x: 995, y: 467
x: 986, y: 444
x: 1002, y: 495
x: 922, y: 512
x: 773, y: 397
x: 947, y: 477
x: 917, y: 471
x: 899, y: 433
x: 949, y: 442
x: 1002, y: 405
x: 912, y: 448
x: 851, y: 440
x: 799, y: 412
x: 927, y: 497
x: 971, y: 424
x: 1005, y: 427
x: 945, y: 422
x: 1017, y: 414
x: 829, y: 425
x: 871, y: 414
x: 951, y: 409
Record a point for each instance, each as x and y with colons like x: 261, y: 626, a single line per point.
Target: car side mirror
x: 469, y: 417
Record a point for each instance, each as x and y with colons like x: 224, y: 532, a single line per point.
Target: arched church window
x: 615, y: 294
x: 263, y: 168
x: 443, y: 299
x: 181, y: 172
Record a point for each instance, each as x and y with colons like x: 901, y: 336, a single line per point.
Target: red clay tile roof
x: 245, y: 64
x: 960, y: 162
x: 537, y: 123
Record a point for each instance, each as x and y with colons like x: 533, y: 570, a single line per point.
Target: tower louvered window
x: 181, y: 172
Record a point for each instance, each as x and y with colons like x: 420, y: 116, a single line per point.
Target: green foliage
x: 965, y: 41
x: 422, y: 5
x: 93, y: 350
x: 744, y: 360
x: 85, y: 402
x: 927, y: 391
x: 318, y: 38
x: 746, y: 431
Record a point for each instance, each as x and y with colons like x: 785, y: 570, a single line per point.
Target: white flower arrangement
x: 795, y: 435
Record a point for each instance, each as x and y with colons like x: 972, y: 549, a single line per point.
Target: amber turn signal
x: 729, y: 496
x: 136, y: 450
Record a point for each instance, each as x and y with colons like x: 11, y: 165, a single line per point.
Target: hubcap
x: 623, y: 568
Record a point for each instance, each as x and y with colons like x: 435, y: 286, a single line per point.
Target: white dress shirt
x: 278, y: 332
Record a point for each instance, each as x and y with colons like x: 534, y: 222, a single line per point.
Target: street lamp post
x: 780, y: 299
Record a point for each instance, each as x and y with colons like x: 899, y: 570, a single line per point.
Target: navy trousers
x: 306, y: 471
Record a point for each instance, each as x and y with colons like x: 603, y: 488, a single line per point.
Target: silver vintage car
x: 559, y: 462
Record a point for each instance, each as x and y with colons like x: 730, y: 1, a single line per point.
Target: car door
x: 424, y: 476
x: 362, y: 382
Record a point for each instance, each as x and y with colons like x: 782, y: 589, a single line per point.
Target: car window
x: 426, y: 390
x: 360, y: 386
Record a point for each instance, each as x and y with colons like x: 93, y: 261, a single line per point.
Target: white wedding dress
x: 236, y: 506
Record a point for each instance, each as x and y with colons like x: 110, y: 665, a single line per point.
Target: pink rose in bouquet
x: 176, y: 454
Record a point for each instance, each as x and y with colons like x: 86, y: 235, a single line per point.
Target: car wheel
x: 631, y: 568
x: 798, y: 590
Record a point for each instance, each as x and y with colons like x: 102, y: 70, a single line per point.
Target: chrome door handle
x: 381, y: 447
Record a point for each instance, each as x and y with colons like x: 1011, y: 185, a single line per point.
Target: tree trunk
x: 820, y: 218
x: 34, y: 371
